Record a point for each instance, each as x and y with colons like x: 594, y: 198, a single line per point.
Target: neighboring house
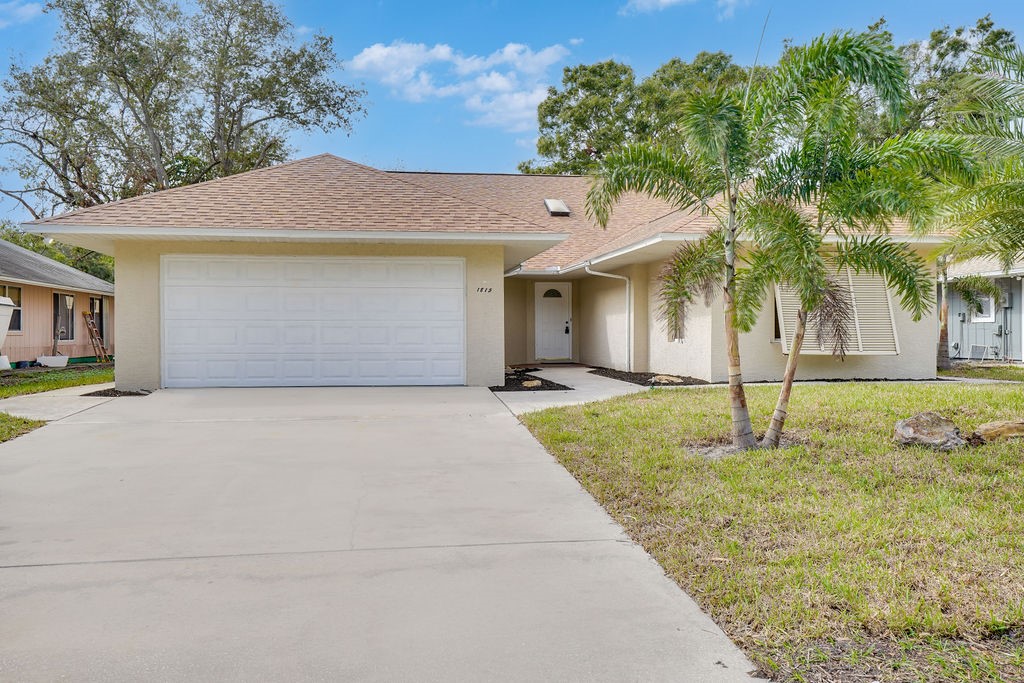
x: 41, y: 290
x: 323, y: 271
x: 995, y: 333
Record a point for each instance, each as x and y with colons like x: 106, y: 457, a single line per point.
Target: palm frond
x: 696, y: 270
x: 993, y: 136
x: 903, y: 269
x: 871, y: 200
x: 678, y: 179
x: 864, y: 59
x: 972, y: 288
x: 712, y: 125
x: 832, y: 318
x: 753, y: 283
x: 788, y: 235
x: 936, y: 153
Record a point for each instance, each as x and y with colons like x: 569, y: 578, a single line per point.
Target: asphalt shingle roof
x: 324, y: 192
x: 17, y: 263
x: 328, y: 193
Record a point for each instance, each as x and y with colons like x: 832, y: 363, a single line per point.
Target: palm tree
x: 990, y: 213
x: 728, y: 137
x: 826, y: 203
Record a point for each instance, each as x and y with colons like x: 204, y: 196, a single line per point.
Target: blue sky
x: 453, y: 86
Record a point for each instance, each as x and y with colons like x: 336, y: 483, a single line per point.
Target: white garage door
x: 238, y: 321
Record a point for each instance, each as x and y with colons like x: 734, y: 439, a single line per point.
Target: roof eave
x: 57, y: 285
x: 519, y: 246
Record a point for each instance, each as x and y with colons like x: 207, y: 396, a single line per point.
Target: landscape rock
x: 666, y: 379
x: 1002, y: 429
x: 929, y: 429
x: 532, y: 383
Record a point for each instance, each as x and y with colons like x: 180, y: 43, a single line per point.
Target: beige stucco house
x: 49, y: 298
x: 326, y: 272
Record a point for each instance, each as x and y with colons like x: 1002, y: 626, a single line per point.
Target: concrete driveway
x: 334, y: 534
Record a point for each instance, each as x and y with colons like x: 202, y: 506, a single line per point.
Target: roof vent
x: 556, y: 207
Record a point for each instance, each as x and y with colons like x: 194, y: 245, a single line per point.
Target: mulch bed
x: 514, y: 382
x: 647, y: 378
x: 115, y: 393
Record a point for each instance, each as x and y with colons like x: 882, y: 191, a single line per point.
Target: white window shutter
x: 874, y: 327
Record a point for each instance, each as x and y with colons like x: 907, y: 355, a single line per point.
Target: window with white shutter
x: 874, y: 328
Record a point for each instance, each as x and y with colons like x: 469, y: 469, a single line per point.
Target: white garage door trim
x: 250, y: 321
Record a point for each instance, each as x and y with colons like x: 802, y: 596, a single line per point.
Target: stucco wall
x: 763, y: 359
x: 515, y: 320
x: 36, y: 336
x: 691, y: 354
x: 702, y: 351
x: 137, y: 324
x: 602, y: 320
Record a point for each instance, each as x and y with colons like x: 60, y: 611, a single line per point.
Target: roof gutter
x: 629, y: 310
x: 293, y: 234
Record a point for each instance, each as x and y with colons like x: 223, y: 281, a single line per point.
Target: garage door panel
x: 300, y: 301
x: 298, y: 321
x: 256, y: 336
x: 260, y: 270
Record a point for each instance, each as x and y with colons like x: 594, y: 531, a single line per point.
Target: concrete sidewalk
x: 339, y: 534
x: 586, y: 387
x: 56, y: 404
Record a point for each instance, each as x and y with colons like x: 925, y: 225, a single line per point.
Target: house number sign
x: 484, y: 290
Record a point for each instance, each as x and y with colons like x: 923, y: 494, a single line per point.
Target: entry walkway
x: 586, y: 386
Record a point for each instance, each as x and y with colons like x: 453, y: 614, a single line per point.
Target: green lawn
x: 20, y: 383
x: 11, y: 426
x: 836, y: 559
x: 1014, y: 373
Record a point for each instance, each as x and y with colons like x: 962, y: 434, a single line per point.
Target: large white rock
x: 928, y: 429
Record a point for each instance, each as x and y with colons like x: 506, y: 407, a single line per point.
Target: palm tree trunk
x: 774, y: 434
x: 943, y: 355
x: 742, y: 430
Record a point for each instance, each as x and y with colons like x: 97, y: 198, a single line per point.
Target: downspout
x: 629, y: 311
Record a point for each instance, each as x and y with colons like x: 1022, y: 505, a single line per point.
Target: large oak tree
x: 142, y: 95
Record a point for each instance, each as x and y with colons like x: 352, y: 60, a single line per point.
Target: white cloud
x: 575, y: 41
x: 726, y: 8
x: 514, y: 111
x: 644, y: 6
x: 303, y: 30
x: 502, y: 88
x: 18, y: 12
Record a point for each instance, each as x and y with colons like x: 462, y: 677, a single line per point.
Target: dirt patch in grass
x: 647, y: 378
x: 514, y: 381
x: 721, y: 447
x: 841, y: 557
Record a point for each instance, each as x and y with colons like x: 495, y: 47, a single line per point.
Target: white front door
x: 253, y: 321
x: 553, y: 304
